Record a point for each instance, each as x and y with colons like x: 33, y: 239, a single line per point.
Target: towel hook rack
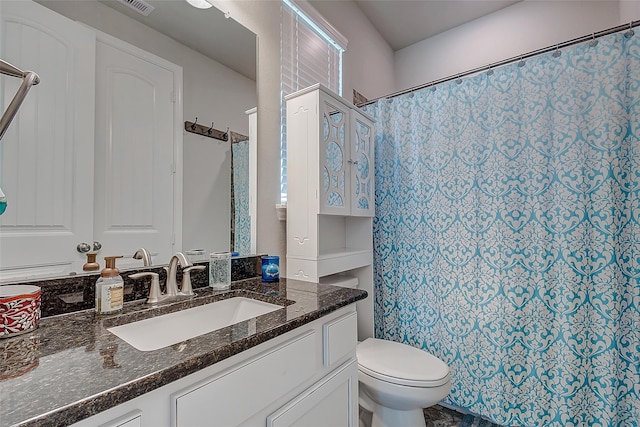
x: 208, y: 131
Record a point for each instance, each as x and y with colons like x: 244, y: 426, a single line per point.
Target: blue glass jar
x: 270, y: 268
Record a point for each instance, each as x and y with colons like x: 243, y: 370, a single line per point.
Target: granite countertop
x: 71, y: 367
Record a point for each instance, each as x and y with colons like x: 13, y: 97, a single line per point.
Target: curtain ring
x: 490, y: 71
x: 521, y: 62
x: 458, y: 80
x: 593, y: 42
x: 557, y: 53
x: 630, y: 33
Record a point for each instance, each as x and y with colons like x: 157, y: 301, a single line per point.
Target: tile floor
x: 434, y: 416
x: 439, y: 416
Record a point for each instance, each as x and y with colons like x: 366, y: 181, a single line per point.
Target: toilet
x: 396, y: 381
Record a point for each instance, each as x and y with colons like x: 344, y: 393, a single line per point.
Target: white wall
x: 368, y: 60
x: 629, y: 11
x: 263, y: 18
x: 211, y: 92
x: 517, y: 29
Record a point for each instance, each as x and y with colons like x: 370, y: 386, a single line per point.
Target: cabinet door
x: 334, y: 192
x: 235, y: 396
x: 331, y: 402
x: 362, y: 177
x: 135, y: 132
x: 47, y: 153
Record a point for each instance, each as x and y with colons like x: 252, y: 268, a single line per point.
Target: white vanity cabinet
x: 132, y: 419
x: 330, y: 402
x: 285, y: 381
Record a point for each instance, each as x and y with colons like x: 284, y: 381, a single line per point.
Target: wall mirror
x: 218, y: 60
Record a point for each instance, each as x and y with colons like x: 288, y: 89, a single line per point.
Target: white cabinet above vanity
x: 330, y: 199
x: 330, y: 185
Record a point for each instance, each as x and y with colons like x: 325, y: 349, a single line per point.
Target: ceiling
x: 400, y: 22
x: 404, y: 22
x: 206, y: 31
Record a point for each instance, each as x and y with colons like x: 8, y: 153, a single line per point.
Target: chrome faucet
x: 144, y: 255
x: 172, y: 285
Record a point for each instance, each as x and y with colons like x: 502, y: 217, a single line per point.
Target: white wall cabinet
x: 346, y: 152
x: 330, y: 191
x: 94, y: 152
x: 330, y: 195
x: 332, y: 143
x: 284, y: 381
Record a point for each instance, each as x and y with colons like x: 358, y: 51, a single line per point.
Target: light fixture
x: 200, y: 4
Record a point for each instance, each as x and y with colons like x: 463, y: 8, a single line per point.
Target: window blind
x: 310, y: 54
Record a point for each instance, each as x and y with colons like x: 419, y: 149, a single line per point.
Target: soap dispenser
x: 109, y: 288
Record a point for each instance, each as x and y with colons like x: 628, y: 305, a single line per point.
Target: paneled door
x: 46, y: 156
x: 136, y: 146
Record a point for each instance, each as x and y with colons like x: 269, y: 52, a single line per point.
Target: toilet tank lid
x: 401, y: 361
x: 340, y: 280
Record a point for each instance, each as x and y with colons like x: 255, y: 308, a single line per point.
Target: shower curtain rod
x: 522, y: 57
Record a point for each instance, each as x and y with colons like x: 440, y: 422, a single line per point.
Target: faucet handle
x: 186, y: 288
x: 154, y: 291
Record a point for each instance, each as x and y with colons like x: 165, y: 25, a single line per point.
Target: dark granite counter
x: 71, y: 367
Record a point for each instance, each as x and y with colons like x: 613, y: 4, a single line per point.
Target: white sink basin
x: 168, y: 329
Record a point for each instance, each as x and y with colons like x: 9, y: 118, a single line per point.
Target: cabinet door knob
x: 97, y: 246
x: 83, y: 247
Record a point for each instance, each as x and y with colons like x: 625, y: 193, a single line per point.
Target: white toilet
x: 396, y: 380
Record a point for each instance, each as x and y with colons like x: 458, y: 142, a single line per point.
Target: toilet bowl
x: 396, y: 381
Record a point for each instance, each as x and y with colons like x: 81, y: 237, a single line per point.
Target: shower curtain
x: 507, y: 234
x: 242, y: 217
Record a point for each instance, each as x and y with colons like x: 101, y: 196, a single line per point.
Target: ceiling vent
x: 140, y: 6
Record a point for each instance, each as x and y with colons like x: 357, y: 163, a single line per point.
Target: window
x: 311, y: 52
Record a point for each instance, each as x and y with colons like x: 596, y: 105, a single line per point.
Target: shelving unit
x: 330, y: 199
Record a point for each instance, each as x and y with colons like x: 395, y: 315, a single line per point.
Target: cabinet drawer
x: 235, y: 395
x: 340, y: 338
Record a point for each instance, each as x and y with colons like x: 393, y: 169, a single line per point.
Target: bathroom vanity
x: 288, y: 367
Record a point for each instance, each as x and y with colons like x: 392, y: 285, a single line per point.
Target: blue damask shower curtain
x: 507, y: 234
x: 242, y: 216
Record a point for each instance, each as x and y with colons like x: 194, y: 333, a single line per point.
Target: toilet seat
x: 400, y: 364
